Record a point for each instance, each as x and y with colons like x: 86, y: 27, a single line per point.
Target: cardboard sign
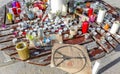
x: 71, y: 58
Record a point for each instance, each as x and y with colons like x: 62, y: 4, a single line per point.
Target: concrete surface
x: 110, y: 64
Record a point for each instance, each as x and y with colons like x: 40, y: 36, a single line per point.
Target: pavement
x: 110, y: 64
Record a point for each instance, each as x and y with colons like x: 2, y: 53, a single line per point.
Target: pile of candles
x: 67, y: 24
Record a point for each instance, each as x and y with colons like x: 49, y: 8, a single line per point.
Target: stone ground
x: 110, y: 64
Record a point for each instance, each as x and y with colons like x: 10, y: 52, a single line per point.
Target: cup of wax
x: 73, y: 31
x: 102, y: 31
x: 109, y: 38
x: 65, y: 28
x: 79, y: 32
x: 66, y: 35
x: 86, y: 36
x: 98, y: 29
x: 94, y: 33
x: 23, y: 51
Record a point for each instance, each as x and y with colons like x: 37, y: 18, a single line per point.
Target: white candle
x: 101, y: 15
x: 64, y: 9
x: 50, y: 15
x: 56, y: 6
x: 115, y: 27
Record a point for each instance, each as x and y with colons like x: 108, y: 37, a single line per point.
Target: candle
x: 56, y: 6
x: 115, y: 27
x: 101, y: 15
x: 9, y: 16
x: 73, y: 32
x: 90, y: 12
x: 18, y: 4
x: 14, y: 4
x: 22, y: 49
x: 14, y: 10
x: 14, y: 41
x: 64, y: 9
x: 39, y: 13
x: 92, y: 18
x: 50, y: 15
x: 30, y: 15
x: 106, y: 27
x: 40, y: 33
x: 4, y: 26
x: 85, y: 27
x: 18, y: 10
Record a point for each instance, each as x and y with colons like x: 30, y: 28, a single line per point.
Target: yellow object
x: 106, y: 27
x: 9, y: 16
x: 22, y: 49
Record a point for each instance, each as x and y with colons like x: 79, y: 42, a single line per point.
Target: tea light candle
x: 86, y: 36
x: 39, y: 14
x: 115, y: 27
x: 47, y: 40
x: 14, y: 41
x: 66, y: 35
x: 102, y: 31
x: 109, y: 38
x: 23, y: 51
x: 30, y: 15
x: 98, y: 29
x: 65, y: 29
x: 73, y: 32
x: 107, y: 34
x: 79, y: 32
x: 94, y: 33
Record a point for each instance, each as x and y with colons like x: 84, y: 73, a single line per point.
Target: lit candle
x: 115, y: 27
x: 90, y: 12
x: 85, y: 27
x: 23, y: 51
x: 101, y: 15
